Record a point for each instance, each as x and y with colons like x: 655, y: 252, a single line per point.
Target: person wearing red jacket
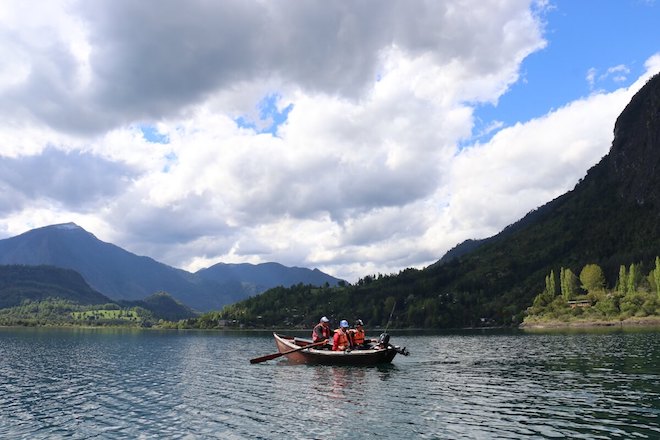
x: 342, y: 339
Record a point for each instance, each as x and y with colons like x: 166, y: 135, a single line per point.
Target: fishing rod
x: 390, y: 319
x: 384, y: 339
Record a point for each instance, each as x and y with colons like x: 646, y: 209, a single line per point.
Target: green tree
x: 592, y: 278
x: 633, y: 279
x: 656, y: 276
x: 622, y: 282
x: 632, y: 304
x: 550, y: 285
x: 569, y: 283
x: 608, y: 306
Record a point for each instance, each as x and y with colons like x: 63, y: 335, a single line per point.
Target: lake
x: 122, y: 383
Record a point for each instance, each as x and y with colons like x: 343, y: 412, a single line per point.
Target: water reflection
x: 346, y: 383
x: 349, y: 384
x: 148, y: 384
x: 385, y: 371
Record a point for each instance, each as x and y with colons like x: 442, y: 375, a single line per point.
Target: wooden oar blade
x: 276, y: 355
x: 265, y: 358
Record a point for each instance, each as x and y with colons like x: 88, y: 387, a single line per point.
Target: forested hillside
x: 19, y: 283
x: 36, y: 295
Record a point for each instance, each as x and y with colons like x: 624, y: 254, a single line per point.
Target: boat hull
x: 329, y: 357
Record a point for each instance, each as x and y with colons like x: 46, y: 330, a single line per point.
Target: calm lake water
x: 87, y: 383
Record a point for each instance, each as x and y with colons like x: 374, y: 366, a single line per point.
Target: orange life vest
x: 340, y: 341
x: 358, y: 336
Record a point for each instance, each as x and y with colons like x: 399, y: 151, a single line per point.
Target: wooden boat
x: 379, y: 354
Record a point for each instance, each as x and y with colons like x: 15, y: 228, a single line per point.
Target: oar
x: 276, y: 355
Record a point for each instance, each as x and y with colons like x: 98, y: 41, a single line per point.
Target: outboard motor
x: 384, y: 340
x: 403, y: 350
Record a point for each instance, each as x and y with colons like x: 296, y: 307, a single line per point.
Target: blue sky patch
x: 152, y: 135
x: 270, y: 117
x: 583, y: 56
x: 171, y: 158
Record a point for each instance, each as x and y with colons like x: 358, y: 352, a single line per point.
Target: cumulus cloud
x: 141, y: 121
x: 102, y: 64
x: 69, y: 180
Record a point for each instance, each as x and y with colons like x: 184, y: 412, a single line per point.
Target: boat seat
x: 303, y: 340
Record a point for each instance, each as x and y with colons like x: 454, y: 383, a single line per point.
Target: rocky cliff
x: 634, y: 159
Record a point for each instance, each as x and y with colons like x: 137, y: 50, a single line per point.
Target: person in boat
x: 322, y: 330
x: 342, y: 338
x: 357, y: 336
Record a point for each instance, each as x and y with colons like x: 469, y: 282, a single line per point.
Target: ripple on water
x: 200, y: 385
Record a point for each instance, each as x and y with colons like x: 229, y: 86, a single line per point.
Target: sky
x: 358, y: 138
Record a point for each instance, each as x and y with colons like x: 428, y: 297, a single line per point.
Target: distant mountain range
x: 261, y: 277
x: 122, y: 275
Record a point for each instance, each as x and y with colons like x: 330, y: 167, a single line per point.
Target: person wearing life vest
x: 321, y: 330
x: 357, y: 334
x: 342, y: 339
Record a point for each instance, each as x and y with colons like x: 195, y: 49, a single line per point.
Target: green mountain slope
x: 63, y: 291
x: 35, y: 283
x: 612, y: 217
x: 163, y: 306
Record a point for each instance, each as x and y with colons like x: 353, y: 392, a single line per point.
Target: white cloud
x: 617, y: 74
x: 96, y: 66
x: 364, y: 175
x: 591, y: 77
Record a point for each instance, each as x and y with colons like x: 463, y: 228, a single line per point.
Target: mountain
x: 122, y: 275
x: 460, y: 249
x: 163, y: 306
x: 117, y: 273
x: 36, y: 283
x: 260, y: 277
x: 611, y: 218
x: 20, y: 283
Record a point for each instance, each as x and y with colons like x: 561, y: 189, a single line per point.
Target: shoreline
x: 648, y: 321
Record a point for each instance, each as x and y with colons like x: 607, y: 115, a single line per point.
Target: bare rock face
x: 634, y: 159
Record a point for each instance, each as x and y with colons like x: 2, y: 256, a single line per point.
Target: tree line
x: 400, y: 301
x: 64, y: 312
x: 635, y: 293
